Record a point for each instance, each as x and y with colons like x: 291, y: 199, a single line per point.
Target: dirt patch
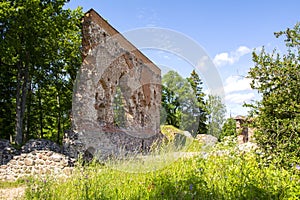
x: 12, y: 193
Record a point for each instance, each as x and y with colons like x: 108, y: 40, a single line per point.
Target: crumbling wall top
x: 92, y: 15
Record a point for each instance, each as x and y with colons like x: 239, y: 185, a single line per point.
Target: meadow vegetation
x: 39, y: 63
x: 220, y: 173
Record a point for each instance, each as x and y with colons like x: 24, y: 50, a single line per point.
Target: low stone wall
x: 43, y: 157
x: 41, y: 163
x: 37, y: 157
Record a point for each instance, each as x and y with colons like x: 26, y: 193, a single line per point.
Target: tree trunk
x: 40, y: 112
x: 18, y: 138
x: 22, y: 84
x: 58, y: 118
x: 28, y: 119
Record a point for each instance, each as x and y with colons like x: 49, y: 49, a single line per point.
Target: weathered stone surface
x: 32, y: 164
x: 182, y: 139
x: 245, y: 133
x: 113, y: 69
x: 40, y: 144
x: 13, y: 162
x: 207, y: 140
x: 7, y: 151
x: 56, y: 158
x: 187, y: 134
x: 3, y: 166
x: 28, y: 162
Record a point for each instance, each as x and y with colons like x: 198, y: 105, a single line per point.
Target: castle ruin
x: 117, y: 95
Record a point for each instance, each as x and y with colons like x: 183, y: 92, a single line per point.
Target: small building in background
x: 244, y: 132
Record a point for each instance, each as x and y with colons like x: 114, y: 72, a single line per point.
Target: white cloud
x: 223, y: 59
x: 236, y: 83
x: 242, y: 50
x: 238, y: 90
x: 239, y: 98
x: 226, y: 58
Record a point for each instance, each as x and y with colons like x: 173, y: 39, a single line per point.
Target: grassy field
x: 231, y: 175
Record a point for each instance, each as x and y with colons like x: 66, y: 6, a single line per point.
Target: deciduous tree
x: 182, y: 100
x: 40, y: 43
x: 276, y: 76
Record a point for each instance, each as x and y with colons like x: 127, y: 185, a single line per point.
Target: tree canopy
x: 40, y: 55
x: 276, y: 76
x: 183, y: 102
x: 228, y: 128
x: 201, y: 109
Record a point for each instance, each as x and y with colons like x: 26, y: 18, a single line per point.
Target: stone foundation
x: 36, y: 158
x: 36, y: 163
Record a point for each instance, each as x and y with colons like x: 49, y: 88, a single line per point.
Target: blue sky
x: 228, y: 31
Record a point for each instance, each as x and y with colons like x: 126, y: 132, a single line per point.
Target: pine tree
x: 216, y: 110
x: 196, y: 84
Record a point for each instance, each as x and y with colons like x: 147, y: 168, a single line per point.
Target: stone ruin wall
x: 36, y: 158
x: 36, y: 163
x: 111, y: 62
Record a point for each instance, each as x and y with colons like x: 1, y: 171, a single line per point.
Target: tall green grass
x: 11, y: 184
x: 232, y: 175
